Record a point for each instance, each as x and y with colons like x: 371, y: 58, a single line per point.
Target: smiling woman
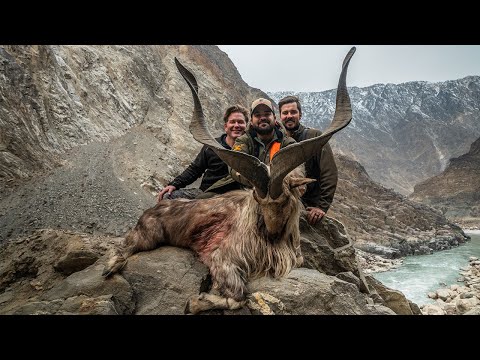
x: 314, y: 67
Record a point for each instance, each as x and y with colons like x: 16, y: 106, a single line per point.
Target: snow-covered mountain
x: 405, y: 133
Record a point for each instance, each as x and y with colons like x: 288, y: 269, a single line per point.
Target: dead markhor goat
x: 242, y: 234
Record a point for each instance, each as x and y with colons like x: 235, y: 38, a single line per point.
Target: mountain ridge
x: 402, y: 133
x: 455, y: 191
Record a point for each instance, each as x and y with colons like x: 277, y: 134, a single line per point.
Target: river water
x: 421, y: 274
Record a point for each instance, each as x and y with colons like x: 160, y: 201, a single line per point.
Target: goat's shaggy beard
x: 249, y: 255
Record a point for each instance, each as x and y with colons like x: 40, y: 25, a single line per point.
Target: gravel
x: 91, y: 192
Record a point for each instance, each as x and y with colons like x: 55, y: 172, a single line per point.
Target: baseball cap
x: 260, y: 101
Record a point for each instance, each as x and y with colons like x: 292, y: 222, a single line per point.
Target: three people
x: 262, y: 138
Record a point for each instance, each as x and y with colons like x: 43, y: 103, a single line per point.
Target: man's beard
x: 294, y: 128
x: 264, y: 130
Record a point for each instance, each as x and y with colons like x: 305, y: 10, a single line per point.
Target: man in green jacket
x: 319, y: 195
x: 264, y: 136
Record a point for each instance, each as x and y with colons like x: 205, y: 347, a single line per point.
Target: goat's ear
x: 295, y: 182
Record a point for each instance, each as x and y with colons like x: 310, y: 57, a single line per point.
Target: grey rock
x: 473, y: 311
x: 76, y: 305
x: 466, y: 295
x: 91, y: 283
x: 349, y: 277
x: 393, y: 299
x: 307, y: 292
x: 164, y: 279
x: 75, y: 261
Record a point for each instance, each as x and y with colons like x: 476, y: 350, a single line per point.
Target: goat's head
x: 277, y: 211
x: 275, y: 187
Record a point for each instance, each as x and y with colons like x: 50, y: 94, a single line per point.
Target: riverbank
x: 458, y: 299
x: 372, y: 263
x: 472, y: 231
x: 467, y: 224
x: 375, y: 258
x: 419, y: 275
x: 424, y: 243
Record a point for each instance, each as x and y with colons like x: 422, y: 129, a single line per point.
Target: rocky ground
x: 59, y: 272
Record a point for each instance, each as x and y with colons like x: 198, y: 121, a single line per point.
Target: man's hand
x: 314, y: 215
x: 166, y: 189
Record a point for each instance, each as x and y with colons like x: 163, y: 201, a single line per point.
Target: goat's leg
x: 299, y: 257
x: 228, y: 278
x: 206, y: 301
x: 296, y: 242
x: 135, y: 241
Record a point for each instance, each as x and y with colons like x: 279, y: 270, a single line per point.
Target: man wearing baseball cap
x: 263, y: 101
x: 264, y: 135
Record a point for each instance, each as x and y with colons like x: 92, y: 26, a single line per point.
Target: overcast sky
x: 317, y: 67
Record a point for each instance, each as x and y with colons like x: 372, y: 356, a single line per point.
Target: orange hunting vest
x: 274, y: 149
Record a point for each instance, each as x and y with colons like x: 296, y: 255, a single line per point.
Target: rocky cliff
x: 55, y: 98
x: 382, y: 221
x: 402, y: 134
x: 456, y: 191
x: 115, y: 117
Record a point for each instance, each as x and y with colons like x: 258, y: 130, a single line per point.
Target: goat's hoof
x: 186, y: 310
x: 198, y: 304
x: 113, y: 266
x: 299, y: 261
x: 192, y: 306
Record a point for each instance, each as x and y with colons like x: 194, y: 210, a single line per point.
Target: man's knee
x: 184, y: 194
x: 206, y: 195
